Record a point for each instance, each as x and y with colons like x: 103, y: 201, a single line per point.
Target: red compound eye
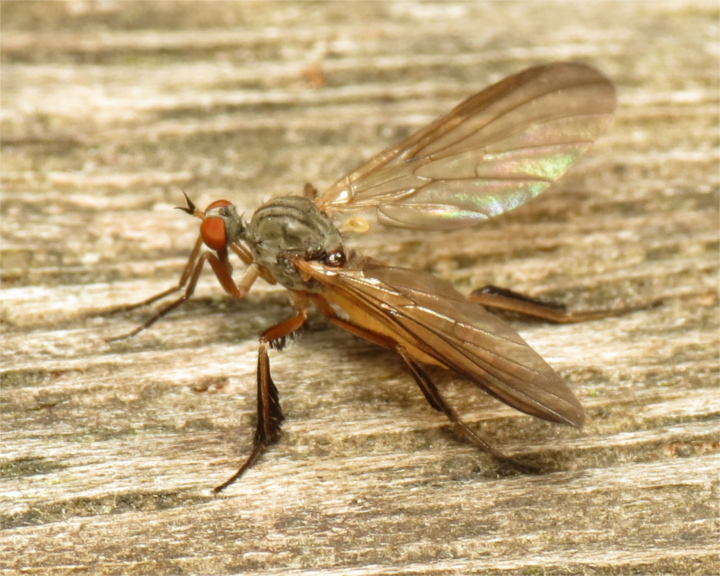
x: 213, y: 233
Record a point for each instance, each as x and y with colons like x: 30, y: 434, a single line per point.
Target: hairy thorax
x: 293, y: 226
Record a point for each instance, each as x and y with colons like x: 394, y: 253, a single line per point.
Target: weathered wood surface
x: 109, y: 451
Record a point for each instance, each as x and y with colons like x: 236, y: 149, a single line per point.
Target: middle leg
x: 269, y: 413
x: 426, y: 385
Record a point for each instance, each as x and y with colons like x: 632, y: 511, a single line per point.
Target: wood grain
x: 109, y: 109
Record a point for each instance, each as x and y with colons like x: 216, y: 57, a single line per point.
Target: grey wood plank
x: 109, y: 451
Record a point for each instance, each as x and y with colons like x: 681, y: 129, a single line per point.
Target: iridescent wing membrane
x: 490, y: 154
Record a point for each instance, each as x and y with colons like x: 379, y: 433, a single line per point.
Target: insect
x: 490, y: 154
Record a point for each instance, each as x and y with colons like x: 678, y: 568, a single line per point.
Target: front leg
x: 223, y: 272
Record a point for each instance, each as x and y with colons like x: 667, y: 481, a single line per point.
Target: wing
x: 435, y: 324
x: 490, y: 154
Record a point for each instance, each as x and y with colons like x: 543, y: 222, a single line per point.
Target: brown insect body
x: 492, y: 153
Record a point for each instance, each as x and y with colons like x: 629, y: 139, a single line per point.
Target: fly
x: 492, y: 153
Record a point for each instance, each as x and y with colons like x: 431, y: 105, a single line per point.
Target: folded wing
x: 434, y: 323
